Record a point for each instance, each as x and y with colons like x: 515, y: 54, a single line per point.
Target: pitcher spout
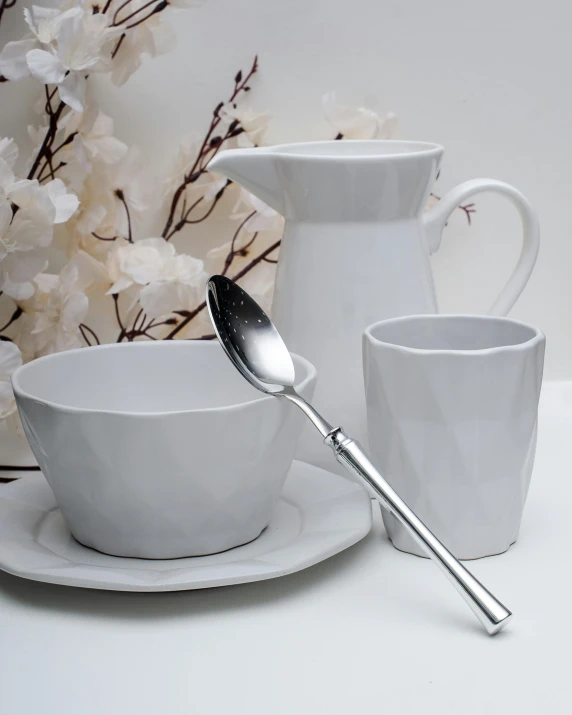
x: 254, y: 169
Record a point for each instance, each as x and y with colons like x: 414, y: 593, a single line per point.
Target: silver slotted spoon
x: 256, y: 349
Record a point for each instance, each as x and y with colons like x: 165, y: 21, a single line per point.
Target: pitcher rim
x: 423, y: 149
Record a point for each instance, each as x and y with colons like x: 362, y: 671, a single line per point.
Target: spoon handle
x: 490, y: 612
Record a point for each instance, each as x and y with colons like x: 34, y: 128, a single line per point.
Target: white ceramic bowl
x: 158, y: 449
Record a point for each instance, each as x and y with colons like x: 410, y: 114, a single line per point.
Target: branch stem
x: 189, y: 316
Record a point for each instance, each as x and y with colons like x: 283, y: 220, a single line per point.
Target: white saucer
x: 318, y: 515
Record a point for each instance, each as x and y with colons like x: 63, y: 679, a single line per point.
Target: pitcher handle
x: 436, y: 218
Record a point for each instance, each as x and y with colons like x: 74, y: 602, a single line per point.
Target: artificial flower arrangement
x: 83, y: 194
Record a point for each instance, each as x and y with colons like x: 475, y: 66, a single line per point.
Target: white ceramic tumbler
x: 452, y: 405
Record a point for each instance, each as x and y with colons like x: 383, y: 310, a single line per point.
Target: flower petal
x: 28, y: 194
x: 45, y: 66
x: 109, y: 149
x: 5, y: 220
x: 13, y: 64
x: 18, y: 291
x: 119, y: 285
x: 161, y: 298
x: 164, y: 248
x: 74, y: 310
x: 72, y: 91
x: 45, y: 22
x: 30, y: 229
x: 89, y: 270
x: 10, y: 358
x: 80, y: 38
x: 102, y: 125
x: 64, y: 203
x: 6, y: 176
x: 24, y: 266
x: 7, y: 401
x: 9, y: 151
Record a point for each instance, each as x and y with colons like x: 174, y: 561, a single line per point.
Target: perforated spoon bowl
x: 256, y: 349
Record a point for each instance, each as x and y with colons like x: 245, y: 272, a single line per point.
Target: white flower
x: 64, y: 43
x: 151, y: 37
x: 96, y: 131
x: 60, y: 306
x: 101, y: 211
x: 64, y: 203
x: 87, y: 139
x: 264, y: 218
x: 161, y: 298
x: 10, y: 360
x: 51, y: 199
x: 24, y: 193
x: 45, y: 22
x: 26, y: 232
x: 169, y: 281
x: 23, y: 240
x: 254, y: 124
x: 13, y: 64
x: 132, y: 178
x: 80, y: 39
x: 53, y: 313
x: 358, y: 122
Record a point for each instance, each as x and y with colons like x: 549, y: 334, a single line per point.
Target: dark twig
x: 121, y: 196
x: 183, y: 220
x: 5, y: 5
x: 132, y: 14
x: 205, y: 215
x: 45, y: 148
x: 192, y: 314
x: 53, y: 171
x: 207, y: 147
x: 467, y: 208
x: 115, y: 297
x: 103, y: 238
x: 83, y: 327
x: 15, y: 315
x: 158, y: 8
x: 232, y: 253
x: 11, y: 468
x: 256, y: 261
x: 116, y: 13
x: 117, y: 46
x: 139, y: 314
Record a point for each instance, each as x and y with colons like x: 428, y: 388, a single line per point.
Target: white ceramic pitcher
x: 356, y: 251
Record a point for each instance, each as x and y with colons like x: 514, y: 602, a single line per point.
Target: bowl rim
x: 21, y: 393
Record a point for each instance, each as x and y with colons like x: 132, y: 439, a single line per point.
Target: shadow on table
x: 407, y: 596
x: 173, y: 604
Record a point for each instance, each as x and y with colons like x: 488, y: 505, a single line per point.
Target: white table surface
x: 370, y: 630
